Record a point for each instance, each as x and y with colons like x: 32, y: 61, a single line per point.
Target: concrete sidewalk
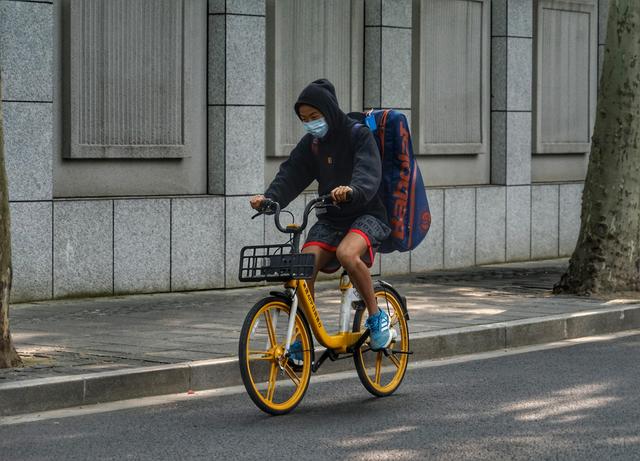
x: 94, y: 350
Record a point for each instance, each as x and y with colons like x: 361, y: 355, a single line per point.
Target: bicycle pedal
x: 295, y: 366
x: 394, y: 352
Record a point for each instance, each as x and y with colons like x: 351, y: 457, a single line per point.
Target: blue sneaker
x: 379, y: 331
x: 295, y: 353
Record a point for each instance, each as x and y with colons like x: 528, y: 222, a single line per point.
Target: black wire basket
x: 274, y: 263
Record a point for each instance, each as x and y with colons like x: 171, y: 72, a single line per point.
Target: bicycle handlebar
x: 272, y: 207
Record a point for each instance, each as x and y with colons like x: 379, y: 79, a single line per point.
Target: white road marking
x: 232, y: 390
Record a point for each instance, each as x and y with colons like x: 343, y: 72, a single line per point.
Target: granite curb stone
x: 61, y: 392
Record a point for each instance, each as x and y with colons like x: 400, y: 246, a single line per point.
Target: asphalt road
x: 579, y: 402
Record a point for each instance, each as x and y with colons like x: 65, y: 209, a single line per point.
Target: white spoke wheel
x: 380, y: 373
x: 274, y: 384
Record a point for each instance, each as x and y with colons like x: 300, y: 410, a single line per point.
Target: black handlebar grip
x: 267, y: 206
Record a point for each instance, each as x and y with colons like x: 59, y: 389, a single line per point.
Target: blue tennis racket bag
x: 402, y: 189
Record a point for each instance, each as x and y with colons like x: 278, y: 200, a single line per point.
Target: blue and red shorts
x: 328, y: 236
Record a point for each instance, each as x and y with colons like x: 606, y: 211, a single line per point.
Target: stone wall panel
x: 197, y: 243
x: 31, y: 251
x: 141, y: 245
x: 82, y: 248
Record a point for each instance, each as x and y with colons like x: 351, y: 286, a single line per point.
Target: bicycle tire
x: 277, y: 363
x: 398, y: 350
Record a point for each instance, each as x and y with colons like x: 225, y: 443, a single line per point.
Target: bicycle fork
x: 291, y: 324
x: 292, y: 319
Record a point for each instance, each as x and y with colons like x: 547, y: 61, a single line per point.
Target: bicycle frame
x: 339, y: 342
x: 300, y: 294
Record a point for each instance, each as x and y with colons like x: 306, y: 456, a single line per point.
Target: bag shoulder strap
x: 381, y: 130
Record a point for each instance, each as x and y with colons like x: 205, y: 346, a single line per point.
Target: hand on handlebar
x: 256, y: 201
x: 263, y: 205
x: 342, y: 194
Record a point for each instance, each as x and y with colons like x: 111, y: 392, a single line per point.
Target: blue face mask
x: 318, y: 128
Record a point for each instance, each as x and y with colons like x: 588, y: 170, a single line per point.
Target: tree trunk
x: 607, y: 255
x: 8, y: 355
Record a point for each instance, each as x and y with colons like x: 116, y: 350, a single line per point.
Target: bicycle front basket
x: 274, y: 263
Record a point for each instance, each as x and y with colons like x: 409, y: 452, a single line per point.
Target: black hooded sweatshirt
x: 343, y: 157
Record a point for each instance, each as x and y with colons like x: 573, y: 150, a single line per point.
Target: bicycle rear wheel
x: 274, y: 384
x: 381, y: 374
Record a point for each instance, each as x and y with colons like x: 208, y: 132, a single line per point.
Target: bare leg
x: 349, y: 251
x: 322, y: 258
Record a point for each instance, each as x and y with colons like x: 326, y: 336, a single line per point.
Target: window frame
x: 419, y: 102
x: 577, y: 6
x: 280, y: 95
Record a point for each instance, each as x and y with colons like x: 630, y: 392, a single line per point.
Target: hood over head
x: 321, y: 94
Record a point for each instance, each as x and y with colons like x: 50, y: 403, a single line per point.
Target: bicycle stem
x: 275, y: 208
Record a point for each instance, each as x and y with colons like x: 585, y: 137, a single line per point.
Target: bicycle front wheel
x: 272, y: 381
x: 380, y: 373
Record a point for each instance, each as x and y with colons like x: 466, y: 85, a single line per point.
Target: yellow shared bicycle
x: 275, y: 382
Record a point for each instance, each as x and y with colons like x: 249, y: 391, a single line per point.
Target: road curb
x: 67, y: 391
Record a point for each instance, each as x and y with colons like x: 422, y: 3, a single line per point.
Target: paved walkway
x: 91, y: 335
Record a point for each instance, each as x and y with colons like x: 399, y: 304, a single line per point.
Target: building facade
x: 136, y: 130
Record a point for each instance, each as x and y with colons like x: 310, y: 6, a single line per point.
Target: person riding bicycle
x: 346, y: 163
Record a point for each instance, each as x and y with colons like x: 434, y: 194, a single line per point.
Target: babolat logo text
x: 401, y: 194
